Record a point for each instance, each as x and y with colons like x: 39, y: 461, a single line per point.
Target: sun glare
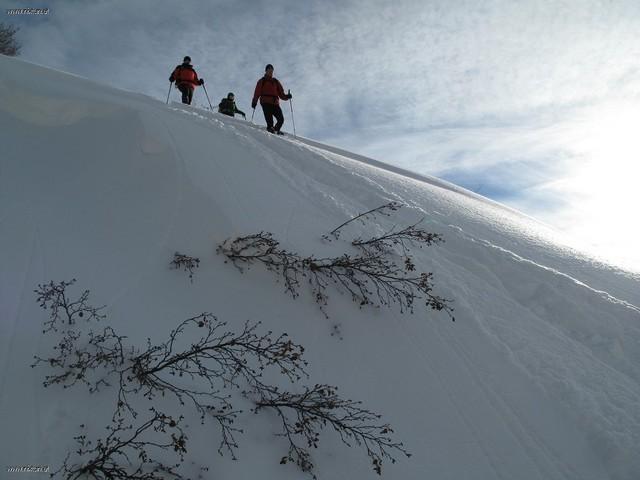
x: 603, y: 182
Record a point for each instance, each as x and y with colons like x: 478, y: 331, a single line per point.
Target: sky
x: 531, y: 103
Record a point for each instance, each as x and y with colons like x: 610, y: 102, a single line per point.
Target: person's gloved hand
x: 253, y: 105
x: 171, y: 79
x: 202, y: 81
x: 289, y: 96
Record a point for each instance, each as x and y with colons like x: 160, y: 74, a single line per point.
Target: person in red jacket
x: 186, y: 79
x: 269, y: 90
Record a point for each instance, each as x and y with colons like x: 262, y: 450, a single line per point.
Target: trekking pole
x: 170, y: 85
x: 205, y: 92
x: 293, y: 120
x: 252, y: 114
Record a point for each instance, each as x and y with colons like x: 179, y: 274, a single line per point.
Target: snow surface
x: 538, y: 378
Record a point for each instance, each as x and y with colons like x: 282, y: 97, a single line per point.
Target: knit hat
x: 187, y: 59
x: 269, y: 66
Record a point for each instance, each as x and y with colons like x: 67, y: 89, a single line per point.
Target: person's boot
x: 270, y: 130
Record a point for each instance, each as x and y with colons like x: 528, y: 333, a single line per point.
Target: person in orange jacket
x: 186, y: 79
x: 269, y: 90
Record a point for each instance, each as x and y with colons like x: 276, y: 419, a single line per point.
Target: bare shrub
x: 370, y: 277
x: 186, y: 263
x: 8, y: 42
x: 199, y: 364
x: 304, y: 415
x: 131, y: 453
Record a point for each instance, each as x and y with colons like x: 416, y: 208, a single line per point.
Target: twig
x: 53, y: 296
x: 126, y: 452
x: 391, y: 206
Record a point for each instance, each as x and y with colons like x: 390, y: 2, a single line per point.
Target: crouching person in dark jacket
x: 227, y: 106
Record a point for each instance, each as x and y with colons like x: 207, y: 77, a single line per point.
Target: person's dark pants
x: 187, y: 93
x: 271, y: 111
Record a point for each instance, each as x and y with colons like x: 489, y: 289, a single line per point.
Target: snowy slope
x: 538, y: 378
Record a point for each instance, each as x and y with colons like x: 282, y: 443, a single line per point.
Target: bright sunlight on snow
x: 605, y: 142
x: 538, y: 378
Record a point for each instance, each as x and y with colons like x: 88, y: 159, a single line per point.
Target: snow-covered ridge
x: 538, y: 378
